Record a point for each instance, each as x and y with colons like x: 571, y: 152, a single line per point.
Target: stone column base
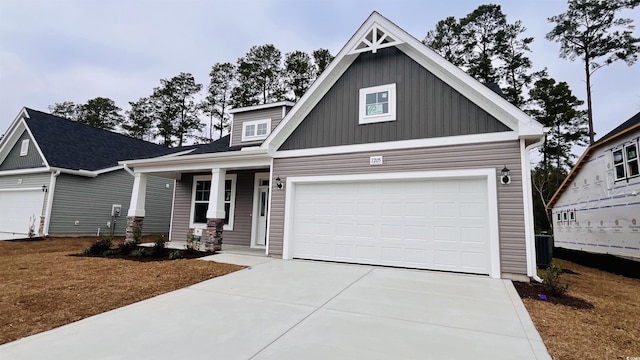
x: 134, y: 224
x: 213, y: 240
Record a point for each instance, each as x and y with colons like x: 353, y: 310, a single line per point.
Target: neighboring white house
x: 597, y: 207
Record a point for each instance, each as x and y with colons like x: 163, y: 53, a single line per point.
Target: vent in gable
x: 374, y: 39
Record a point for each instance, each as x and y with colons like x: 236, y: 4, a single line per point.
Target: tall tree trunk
x: 589, y: 109
x: 211, y: 127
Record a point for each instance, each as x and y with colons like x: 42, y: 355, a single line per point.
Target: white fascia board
x: 401, y: 145
x: 110, y: 169
x: 25, y: 171
x: 262, y: 106
x: 196, y: 159
x: 204, y: 165
x: 11, y: 132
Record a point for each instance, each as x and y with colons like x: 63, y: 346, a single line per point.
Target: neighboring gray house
x: 63, y: 178
x: 394, y: 157
x: 597, y: 207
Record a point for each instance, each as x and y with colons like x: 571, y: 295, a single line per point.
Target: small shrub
x: 159, y: 248
x: 32, y: 227
x: 552, y: 282
x: 174, y: 255
x: 140, y: 252
x: 137, y: 235
x: 192, y: 245
x: 126, y: 248
x: 99, y: 247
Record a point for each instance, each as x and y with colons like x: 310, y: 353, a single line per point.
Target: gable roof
x: 67, y: 144
x: 630, y: 125
x: 378, y: 32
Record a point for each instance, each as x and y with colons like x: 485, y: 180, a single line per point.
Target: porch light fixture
x: 44, y: 188
x: 278, y: 182
x: 505, y: 178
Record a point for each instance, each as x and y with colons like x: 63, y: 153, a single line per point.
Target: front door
x: 261, y: 210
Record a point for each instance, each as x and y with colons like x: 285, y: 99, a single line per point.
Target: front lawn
x: 43, y: 284
x: 600, y: 318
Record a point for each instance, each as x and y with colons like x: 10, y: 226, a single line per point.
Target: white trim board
x: 255, y: 207
x: 401, y: 145
x: 492, y: 201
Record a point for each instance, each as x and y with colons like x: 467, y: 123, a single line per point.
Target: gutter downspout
x: 47, y: 213
x: 528, y: 201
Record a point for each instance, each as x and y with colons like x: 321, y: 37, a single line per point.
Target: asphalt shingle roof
x: 635, y: 119
x: 220, y: 145
x: 71, y: 145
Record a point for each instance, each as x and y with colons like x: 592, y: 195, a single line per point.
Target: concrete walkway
x: 306, y: 310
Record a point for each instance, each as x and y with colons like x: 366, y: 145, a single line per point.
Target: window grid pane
x: 377, y: 103
x: 250, y: 130
x: 262, y: 129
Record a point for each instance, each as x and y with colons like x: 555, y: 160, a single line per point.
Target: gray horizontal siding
x: 89, y: 200
x: 15, y: 161
x: 242, y: 221
x: 426, y: 106
x: 275, y: 114
x: 24, y: 180
x: 473, y: 156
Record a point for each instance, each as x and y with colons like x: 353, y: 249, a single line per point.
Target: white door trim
x: 489, y: 174
x: 256, y: 208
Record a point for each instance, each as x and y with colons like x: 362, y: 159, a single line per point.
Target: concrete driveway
x: 306, y: 310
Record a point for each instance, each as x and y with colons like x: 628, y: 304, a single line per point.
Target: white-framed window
x: 256, y: 130
x: 200, y: 201
x: 24, y: 147
x: 377, y: 104
x: 626, y: 162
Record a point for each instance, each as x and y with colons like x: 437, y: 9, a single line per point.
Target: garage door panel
x: 17, y: 210
x: 429, y: 224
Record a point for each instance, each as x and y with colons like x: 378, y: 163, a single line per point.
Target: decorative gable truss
x: 376, y: 38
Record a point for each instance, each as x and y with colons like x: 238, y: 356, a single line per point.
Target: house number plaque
x: 376, y: 160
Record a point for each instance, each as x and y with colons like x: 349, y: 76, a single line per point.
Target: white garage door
x: 426, y: 224
x: 16, y: 207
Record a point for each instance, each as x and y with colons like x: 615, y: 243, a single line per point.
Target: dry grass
x: 43, y: 287
x: 609, y: 330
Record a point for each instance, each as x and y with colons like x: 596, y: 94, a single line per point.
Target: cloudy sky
x: 75, y: 50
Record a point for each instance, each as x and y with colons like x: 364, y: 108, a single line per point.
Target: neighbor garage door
x: 426, y: 224
x: 16, y: 208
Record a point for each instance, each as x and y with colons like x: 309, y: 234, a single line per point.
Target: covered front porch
x: 222, y: 197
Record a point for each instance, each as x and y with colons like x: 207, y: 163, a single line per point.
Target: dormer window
x: 256, y: 130
x: 378, y: 104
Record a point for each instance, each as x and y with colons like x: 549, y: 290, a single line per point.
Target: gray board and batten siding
x: 426, y: 106
x: 89, y: 201
x: 243, y: 209
x: 14, y: 161
x: 275, y: 114
x: 470, y: 156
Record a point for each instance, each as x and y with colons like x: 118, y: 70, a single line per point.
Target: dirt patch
x: 43, y: 286
x: 600, y: 318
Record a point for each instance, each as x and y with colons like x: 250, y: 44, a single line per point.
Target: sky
x: 76, y: 50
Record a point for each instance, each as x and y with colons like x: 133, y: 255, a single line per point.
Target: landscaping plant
x: 552, y: 282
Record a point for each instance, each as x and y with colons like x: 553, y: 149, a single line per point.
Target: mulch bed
x: 536, y: 291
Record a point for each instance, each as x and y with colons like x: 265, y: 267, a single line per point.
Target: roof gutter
x: 81, y: 172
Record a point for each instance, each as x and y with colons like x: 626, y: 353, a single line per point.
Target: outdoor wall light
x: 505, y: 178
x: 278, y: 183
x: 44, y: 188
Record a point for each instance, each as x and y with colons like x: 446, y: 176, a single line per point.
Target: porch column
x: 215, y: 212
x: 135, y: 215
